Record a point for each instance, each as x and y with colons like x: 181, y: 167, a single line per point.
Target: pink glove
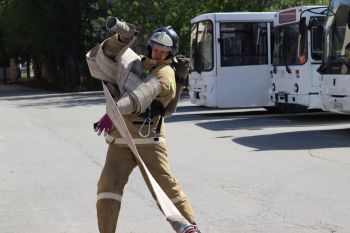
x: 104, y: 124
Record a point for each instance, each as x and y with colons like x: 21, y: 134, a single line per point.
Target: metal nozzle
x: 119, y: 27
x: 111, y: 22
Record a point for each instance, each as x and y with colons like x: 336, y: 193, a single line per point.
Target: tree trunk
x: 5, y: 73
x: 37, y: 69
x: 72, y: 55
x: 28, y: 67
x: 47, y: 73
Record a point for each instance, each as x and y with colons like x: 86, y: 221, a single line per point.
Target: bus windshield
x: 290, y: 45
x: 202, y: 46
x: 336, y: 59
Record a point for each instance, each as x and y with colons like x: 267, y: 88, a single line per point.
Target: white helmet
x: 166, y: 39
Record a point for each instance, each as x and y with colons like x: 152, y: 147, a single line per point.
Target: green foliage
x: 54, y: 33
x: 151, y: 14
x: 58, y: 33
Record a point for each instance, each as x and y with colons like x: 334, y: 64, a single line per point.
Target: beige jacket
x: 166, y: 76
x: 161, y: 70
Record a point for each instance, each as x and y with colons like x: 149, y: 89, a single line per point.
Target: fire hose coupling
x: 181, y: 225
x: 125, y: 30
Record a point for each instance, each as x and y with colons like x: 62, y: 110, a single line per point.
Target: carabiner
x: 148, y: 121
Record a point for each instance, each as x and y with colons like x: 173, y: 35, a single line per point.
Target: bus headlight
x: 296, y: 87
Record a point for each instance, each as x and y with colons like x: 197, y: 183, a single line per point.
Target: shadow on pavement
x: 29, y: 97
x: 67, y: 102
x: 300, y: 140
x: 14, y: 90
x: 238, y: 121
x: 305, y: 138
x: 195, y: 113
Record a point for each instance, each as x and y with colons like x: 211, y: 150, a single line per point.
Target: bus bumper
x: 311, y: 101
x: 338, y: 104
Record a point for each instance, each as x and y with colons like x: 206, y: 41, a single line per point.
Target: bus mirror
x: 302, y: 25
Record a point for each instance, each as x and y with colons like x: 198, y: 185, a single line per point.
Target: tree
x: 51, y: 33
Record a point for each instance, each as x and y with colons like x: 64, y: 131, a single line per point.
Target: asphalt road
x: 244, y: 170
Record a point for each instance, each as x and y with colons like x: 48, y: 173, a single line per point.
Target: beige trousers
x: 119, y: 164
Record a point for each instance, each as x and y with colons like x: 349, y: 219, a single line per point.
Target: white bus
x: 231, y: 59
x: 335, y: 68
x: 297, y: 55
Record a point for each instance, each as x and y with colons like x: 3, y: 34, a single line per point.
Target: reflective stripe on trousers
x: 107, y: 195
x: 177, y: 199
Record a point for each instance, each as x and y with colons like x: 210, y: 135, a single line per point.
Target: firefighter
x: 147, y: 129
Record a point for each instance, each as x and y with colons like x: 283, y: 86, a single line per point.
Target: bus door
x: 243, y: 64
x: 203, y: 73
x: 316, y: 47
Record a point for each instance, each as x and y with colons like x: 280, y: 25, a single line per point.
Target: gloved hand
x: 155, y: 109
x: 103, y: 125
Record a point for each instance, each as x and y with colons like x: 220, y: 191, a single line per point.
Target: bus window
x: 302, y: 50
x: 202, y: 46
x: 193, y: 44
x: 290, y: 46
x: 336, y: 57
x: 272, y: 41
x: 317, y: 36
x: 243, y: 44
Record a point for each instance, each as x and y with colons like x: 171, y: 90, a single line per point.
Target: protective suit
x: 120, y: 161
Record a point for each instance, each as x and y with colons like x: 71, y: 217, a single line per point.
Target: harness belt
x: 156, y: 140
